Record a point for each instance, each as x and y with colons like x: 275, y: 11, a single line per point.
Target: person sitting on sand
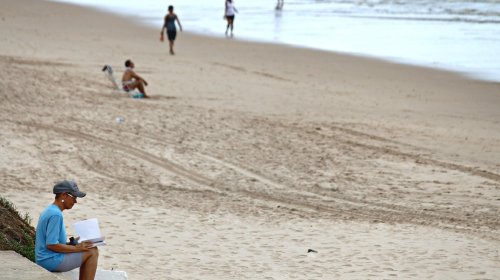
x: 131, y: 81
x: 52, y: 251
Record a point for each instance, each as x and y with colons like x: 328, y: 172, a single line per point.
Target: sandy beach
x: 248, y: 155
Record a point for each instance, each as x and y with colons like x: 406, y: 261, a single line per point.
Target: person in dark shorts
x: 229, y: 15
x: 52, y: 250
x: 169, y: 25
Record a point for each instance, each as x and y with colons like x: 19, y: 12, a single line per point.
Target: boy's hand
x: 85, y: 245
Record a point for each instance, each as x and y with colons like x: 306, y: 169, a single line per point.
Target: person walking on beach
x: 52, y: 251
x: 131, y: 81
x: 169, y: 25
x: 229, y: 15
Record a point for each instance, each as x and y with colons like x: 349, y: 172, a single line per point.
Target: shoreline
x: 247, y: 155
x: 488, y: 78
x: 465, y: 70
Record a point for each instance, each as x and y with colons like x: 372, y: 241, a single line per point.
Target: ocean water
x: 457, y: 35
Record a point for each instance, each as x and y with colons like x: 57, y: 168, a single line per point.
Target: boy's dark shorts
x: 171, y: 34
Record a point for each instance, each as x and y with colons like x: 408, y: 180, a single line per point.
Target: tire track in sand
x: 282, y: 193
x: 378, y: 146
x: 341, y: 207
x: 169, y: 166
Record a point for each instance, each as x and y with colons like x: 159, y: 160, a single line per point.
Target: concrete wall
x: 16, y: 267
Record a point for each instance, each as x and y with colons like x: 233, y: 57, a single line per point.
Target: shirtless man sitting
x: 131, y: 81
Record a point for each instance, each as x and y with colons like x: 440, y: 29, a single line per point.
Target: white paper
x: 88, y: 230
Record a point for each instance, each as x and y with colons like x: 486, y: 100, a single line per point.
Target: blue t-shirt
x: 50, y: 230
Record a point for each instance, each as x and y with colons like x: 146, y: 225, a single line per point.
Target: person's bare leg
x: 89, y: 264
x: 140, y: 87
x: 171, y: 44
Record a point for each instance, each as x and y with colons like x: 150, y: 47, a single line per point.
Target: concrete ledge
x: 100, y: 275
x: 16, y: 267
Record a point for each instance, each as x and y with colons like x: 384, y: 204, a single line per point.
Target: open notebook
x: 89, y: 230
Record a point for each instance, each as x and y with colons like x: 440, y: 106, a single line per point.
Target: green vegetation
x: 16, y: 233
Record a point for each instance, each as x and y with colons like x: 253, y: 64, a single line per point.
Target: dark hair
x: 170, y: 8
x: 128, y: 62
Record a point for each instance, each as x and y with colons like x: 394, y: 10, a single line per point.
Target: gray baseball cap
x: 68, y: 186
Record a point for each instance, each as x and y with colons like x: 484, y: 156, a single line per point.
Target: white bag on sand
x: 108, y: 71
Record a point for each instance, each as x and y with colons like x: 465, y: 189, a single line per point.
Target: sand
x: 248, y: 155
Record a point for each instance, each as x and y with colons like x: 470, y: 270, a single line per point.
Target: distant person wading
x: 279, y: 4
x: 229, y: 13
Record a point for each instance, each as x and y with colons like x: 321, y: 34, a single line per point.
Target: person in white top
x: 229, y: 15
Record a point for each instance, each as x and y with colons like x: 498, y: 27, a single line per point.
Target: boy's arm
x: 63, y: 248
x: 178, y: 22
x: 164, y: 25
x: 163, y: 28
x: 137, y: 77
